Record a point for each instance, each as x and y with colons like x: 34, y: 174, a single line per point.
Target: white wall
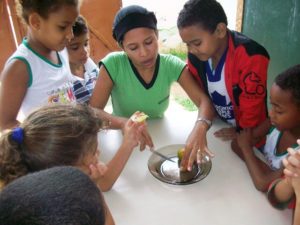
x: 167, y: 10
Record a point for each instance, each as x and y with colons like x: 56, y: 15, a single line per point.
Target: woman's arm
x: 196, y: 145
x: 14, y: 82
x: 99, y: 98
x: 102, y: 90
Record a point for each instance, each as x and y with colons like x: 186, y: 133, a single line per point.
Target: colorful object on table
x: 180, y: 153
x: 139, y: 117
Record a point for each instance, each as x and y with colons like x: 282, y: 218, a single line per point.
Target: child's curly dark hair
x: 289, y: 80
x: 206, y: 13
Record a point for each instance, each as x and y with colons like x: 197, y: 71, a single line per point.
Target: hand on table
x: 196, y: 147
x: 226, y: 134
x: 244, y: 140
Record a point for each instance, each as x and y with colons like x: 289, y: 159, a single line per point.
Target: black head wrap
x: 131, y: 17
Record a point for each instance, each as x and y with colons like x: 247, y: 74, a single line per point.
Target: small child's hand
x: 244, y: 139
x: 97, y: 171
x: 292, y: 163
x: 292, y: 169
x: 226, y: 134
x: 132, y: 133
x: 137, y: 126
x: 145, y: 138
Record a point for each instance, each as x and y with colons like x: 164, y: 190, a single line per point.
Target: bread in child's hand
x: 139, y: 117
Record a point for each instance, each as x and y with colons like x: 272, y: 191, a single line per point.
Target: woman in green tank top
x: 139, y: 78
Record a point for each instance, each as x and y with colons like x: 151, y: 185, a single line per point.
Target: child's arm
x: 283, y: 190
x: 260, y: 173
x: 260, y: 132
x: 14, y: 84
x: 197, y: 138
x: 118, y: 162
x: 296, y: 186
x: 109, y: 220
x: 297, y: 213
x: 280, y: 193
x: 292, y: 165
x: 120, y: 122
x: 257, y: 134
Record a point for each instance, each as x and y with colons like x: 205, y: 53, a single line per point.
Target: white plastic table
x: 226, y: 196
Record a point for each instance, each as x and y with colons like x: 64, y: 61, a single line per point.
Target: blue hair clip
x: 18, y: 135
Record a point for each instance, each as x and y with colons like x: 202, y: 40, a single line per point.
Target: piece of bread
x: 139, y: 117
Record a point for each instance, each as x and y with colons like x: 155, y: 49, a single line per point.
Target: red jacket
x: 246, y: 67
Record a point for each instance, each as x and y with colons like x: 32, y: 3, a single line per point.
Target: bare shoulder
x: 15, y: 70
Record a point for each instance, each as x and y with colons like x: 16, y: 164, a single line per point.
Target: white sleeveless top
x: 273, y: 159
x: 48, y: 82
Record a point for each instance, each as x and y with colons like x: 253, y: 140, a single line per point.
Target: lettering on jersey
x: 223, y: 106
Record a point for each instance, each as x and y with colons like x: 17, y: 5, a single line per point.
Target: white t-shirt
x: 48, y: 82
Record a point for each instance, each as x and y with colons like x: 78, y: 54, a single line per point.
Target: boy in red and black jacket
x: 231, y: 67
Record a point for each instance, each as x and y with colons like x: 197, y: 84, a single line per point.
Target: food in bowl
x: 180, y: 154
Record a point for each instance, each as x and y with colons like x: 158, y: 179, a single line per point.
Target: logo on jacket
x: 253, y: 84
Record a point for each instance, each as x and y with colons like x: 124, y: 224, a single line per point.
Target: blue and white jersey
x: 218, y: 92
x: 83, y: 88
